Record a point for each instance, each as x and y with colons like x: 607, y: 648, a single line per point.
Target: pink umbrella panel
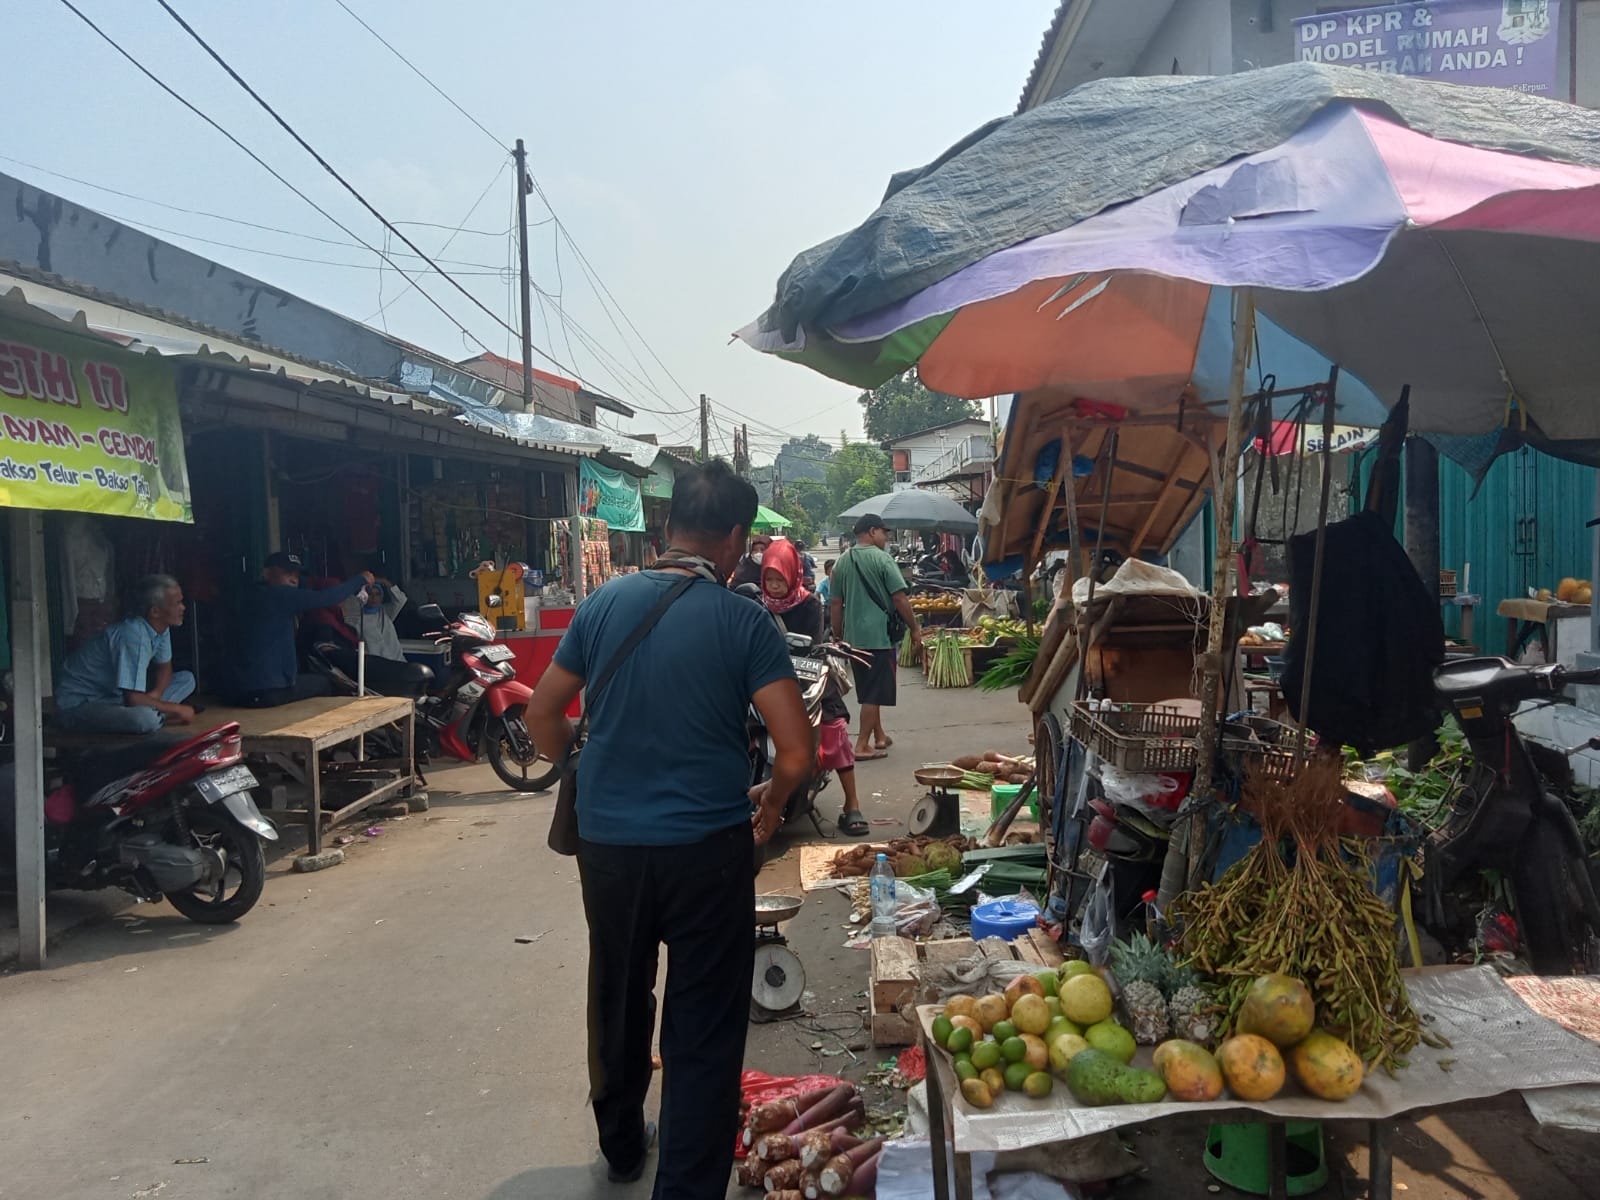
x: 1466, y: 273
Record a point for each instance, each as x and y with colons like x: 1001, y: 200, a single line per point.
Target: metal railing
x: 969, y: 451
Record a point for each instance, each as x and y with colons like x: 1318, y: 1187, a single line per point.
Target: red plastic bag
x: 757, y: 1087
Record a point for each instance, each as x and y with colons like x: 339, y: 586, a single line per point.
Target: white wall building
x: 945, y: 456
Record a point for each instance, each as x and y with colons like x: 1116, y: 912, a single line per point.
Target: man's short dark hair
x: 868, y: 522
x: 711, y: 501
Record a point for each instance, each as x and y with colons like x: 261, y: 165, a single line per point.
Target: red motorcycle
x: 479, y: 707
x: 162, y: 817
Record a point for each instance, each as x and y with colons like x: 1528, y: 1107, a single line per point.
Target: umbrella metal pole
x: 1183, y: 857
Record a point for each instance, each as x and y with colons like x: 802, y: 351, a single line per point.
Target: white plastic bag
x: 1094, y: 934
x: 916, y: 910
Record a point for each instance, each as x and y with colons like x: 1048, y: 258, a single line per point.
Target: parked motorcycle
x: 478, y: 707
x: 1513, y: 814
x: 162, y: 817
x: 812, y: 667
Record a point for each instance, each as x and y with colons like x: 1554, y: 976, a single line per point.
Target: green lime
x: 965, y: 1071
x: 1049, y: 980
x: 1014, y: 1049
x: 1016, y: 1075
x: 960, y: 1040
x: 1004, y: 1031
x: 941, y: 1029
x: 986, y: 1055
x: 1038, y: 1084
x: 964, y: 1056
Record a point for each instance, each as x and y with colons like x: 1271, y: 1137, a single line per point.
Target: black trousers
x: 696, y: 900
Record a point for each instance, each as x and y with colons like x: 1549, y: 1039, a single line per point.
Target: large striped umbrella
x: 1448, y: 262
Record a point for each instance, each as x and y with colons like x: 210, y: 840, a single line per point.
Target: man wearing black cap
x: 867, y: 586
x: 268, y: 673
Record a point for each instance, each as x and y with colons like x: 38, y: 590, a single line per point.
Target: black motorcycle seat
x: 92, y: 771
x: 1475, y: 676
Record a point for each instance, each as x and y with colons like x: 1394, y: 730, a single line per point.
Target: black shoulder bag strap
x: 897, y: 623
x: 563, y: 836
x: 629, y: 645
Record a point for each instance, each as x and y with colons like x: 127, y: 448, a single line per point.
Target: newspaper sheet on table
x: 1498, y: 1045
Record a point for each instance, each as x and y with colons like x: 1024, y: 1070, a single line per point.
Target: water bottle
x: 882, y: 898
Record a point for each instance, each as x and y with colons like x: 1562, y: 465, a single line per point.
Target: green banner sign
x: 87, y: 427
x: 611, y: 496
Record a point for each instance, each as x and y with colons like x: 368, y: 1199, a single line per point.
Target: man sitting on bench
x: 121, y: 680
x: 269, y: 670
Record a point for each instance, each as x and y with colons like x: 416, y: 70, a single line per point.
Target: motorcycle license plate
x: 809, y: 669
x: 495, y: 654
x: 225, y: 783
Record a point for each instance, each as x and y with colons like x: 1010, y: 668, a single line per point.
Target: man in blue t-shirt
x: 121, y: 680
x: 267, y: 672
x: 666, y: 830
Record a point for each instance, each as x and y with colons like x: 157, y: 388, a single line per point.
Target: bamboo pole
x: 1182, y: 865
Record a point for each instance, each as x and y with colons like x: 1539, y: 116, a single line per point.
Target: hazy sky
x: 691, y: 149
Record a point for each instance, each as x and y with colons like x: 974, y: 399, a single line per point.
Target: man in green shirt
x: 866, y: 585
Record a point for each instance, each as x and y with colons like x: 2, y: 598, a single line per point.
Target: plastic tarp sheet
x: 1498, y: 1044
x: 1101, y: 145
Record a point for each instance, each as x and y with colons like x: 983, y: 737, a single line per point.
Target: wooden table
x: 1550, y: 617
x: 295, y: 736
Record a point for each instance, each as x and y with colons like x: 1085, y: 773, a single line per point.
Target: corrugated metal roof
x: 31, y: 295
x: 1046, y: 43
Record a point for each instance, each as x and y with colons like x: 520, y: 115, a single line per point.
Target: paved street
x: 375, y: 1031
x: 369, y: 1031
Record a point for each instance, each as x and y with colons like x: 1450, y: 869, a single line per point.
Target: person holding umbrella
x: 867, y: 593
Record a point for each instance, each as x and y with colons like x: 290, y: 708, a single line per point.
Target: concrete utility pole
x: 744, y: 450
x: 705, y: 428
x: 524, y: 186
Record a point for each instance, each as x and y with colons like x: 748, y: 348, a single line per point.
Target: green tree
x: 804, y: 528
x: 813, y: 496
x: 857, y: 472
x: 903, y: 405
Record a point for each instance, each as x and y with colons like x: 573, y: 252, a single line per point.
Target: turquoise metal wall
x: 1524, y: 529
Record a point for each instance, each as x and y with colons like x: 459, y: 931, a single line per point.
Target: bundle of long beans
x: 1317, y: 920
x: 947, y: 662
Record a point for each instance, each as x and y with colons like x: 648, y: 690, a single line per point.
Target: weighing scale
x: 938, y: 814
x: 779, y: 979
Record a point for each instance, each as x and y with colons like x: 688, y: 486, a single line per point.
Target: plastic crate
x: 1137, y: 737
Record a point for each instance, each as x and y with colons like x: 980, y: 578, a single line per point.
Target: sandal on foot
x: 853, y: 824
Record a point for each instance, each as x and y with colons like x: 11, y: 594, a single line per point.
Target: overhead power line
x: 294, y: 233
x: 266, y: 166
x: 598, y: 285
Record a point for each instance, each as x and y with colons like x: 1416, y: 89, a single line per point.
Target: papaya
x: 1326, y: 1067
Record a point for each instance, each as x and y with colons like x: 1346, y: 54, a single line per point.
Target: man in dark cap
x: 268, y: 672
x: 867, y: 586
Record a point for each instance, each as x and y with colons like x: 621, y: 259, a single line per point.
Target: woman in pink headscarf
x: 800, y: 611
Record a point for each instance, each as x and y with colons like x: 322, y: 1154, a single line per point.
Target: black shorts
x: 875, y: 681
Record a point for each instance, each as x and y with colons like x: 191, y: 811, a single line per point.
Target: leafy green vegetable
x: 1011, y: 668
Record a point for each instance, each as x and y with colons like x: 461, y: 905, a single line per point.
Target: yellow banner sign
x: 87, y: 427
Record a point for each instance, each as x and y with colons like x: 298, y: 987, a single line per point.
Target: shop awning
x: 440, y: 425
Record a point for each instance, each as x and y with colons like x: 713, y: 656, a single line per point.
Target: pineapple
x: 1190, y: 1010
x: 1141, y: 967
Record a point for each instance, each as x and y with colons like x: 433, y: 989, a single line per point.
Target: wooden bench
x: 294, y: 738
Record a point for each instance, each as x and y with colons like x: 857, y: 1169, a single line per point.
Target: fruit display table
x: 1494, y: 1043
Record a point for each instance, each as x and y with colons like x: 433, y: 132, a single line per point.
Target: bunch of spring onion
x: 947, y: 662
x: 910, y: 652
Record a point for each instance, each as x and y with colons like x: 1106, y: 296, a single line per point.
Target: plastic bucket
x: 1003, y: 919
x: 1000, y: 797
x: 1002, y: 794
